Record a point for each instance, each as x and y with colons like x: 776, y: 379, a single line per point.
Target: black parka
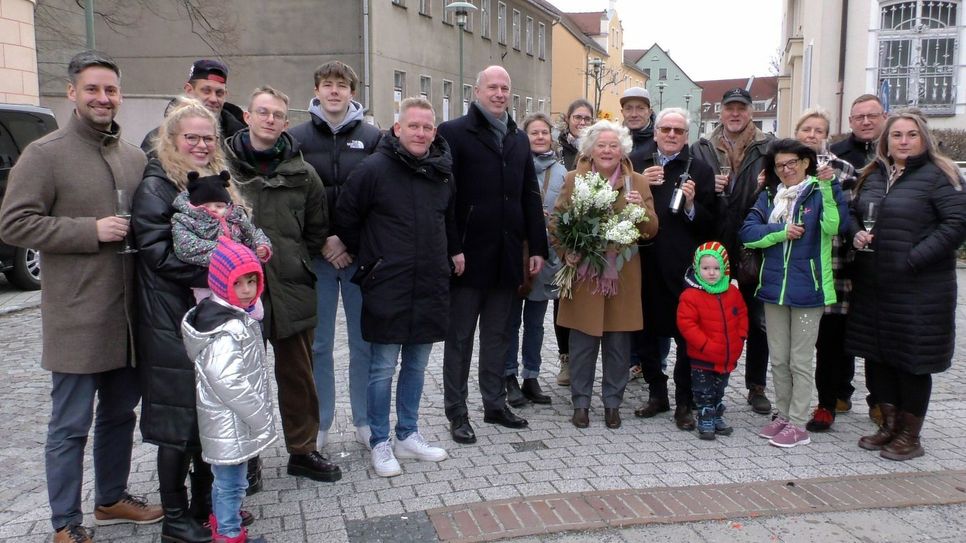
x: 498, y: 201
x: 289, y: 206
x: 164, y: 295
x: 856, y: 152
x: 396, y: 213
x: 334, y: 156
x: 903, y: 311
x: 568, y: 152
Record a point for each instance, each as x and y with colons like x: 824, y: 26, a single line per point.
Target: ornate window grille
x: 918, y: 48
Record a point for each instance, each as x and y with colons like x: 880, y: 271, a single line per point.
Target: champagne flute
x: 823, y: 157
x: 656, y: 157
x: 122, y: 209
x: 725, y: 171
x: 868, y: 221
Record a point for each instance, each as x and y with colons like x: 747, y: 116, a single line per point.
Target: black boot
x: 531, y: 389
x: 178, y: 526
x: 514, y: 396
x: 254, y: 476
x: 201, y: 481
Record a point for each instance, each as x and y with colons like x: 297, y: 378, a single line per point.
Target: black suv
x: 20, y: 125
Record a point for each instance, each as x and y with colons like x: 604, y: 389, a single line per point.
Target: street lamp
x: 705, y: 107
x: 462, y: 11
x: 660, y: 94
x: 687, y: 105
x: 595, y: 65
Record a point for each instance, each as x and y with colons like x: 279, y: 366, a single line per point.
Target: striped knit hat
x: 717, y: 250
x: 230, y: 261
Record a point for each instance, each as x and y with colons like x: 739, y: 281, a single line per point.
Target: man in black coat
x: 665, y: 260
x: 498, y: 206
x: 736, y: 143
x: 396, y: 213
x: 866, y: 119
x: 207, y: 83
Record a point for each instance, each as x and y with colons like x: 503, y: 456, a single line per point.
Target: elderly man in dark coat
x: 61, y: 200
x: 498, y: 206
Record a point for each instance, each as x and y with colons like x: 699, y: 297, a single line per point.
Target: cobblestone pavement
x: 550, y: 458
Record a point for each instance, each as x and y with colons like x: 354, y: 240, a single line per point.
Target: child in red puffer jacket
x: 713, y: 320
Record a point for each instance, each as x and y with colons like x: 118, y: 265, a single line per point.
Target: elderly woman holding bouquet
x: 600, y: 298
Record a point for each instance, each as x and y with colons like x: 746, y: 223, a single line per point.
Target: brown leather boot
x: 886, y: 432
x: 905, y: 445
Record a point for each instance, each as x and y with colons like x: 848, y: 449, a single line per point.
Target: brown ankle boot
x: 886, y: 433
x: 905, y: 445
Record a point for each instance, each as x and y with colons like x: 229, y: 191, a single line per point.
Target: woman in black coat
x: 904, y: 286
x: 580, y: 115
x: 168, y: 417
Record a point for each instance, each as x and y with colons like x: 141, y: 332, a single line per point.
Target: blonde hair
x: 812, y: 112
x: 944, y: 163
x: 176, y: 165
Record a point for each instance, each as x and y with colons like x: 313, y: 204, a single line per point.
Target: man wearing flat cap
x: 207, y: 83
x: 638, y: 115
x: 738, y: 144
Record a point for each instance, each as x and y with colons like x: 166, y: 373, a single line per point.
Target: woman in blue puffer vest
x: 792, y: 223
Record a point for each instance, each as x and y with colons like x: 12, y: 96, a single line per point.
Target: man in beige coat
x: 61, y: 200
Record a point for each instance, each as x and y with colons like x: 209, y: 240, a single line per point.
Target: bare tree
x: 602, y: 78
x: 775, y: 62
x: 60, y: 28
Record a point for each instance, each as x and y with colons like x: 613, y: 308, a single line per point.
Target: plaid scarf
x: 734, y: 149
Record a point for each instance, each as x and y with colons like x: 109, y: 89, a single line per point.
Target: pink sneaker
x: 772, y: 428
x: 790, y: 436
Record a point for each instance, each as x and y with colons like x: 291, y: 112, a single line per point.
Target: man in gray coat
x: 61, y: 200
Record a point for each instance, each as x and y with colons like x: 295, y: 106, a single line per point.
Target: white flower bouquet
x: 601, y: 239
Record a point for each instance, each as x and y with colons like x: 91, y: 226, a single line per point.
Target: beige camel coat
x: 594, y: 314
x: 61, y: 185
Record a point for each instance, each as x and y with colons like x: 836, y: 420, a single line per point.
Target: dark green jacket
x: 289, y: 206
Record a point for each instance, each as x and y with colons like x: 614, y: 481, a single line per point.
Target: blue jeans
x: 227, y: 492
x: 330, y: 282
x: 533, y: 315
x: 409, y: 388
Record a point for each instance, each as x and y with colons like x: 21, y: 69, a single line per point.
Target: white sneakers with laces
x: 415, y: 446
x: 383, y: 460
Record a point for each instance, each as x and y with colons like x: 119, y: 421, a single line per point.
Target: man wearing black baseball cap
x: 737, y: 144
x: 207, y: 83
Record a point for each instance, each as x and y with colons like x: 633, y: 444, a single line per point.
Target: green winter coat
x: 289, y: 206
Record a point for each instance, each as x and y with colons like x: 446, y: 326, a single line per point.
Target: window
x: 400, y: 3
x: 917, y: 54
x: 398, y: 91
x: 501, y: 22
x: 485, y: 19
x: 448, y: 16
x: 516, y: 30
x: 467, y: 98
x: 516, y: 106
x: 469, y: 22
x: 425, y: 7
x: 529, y: 42
x: 540, y: 106
x: 541, y: 41
x: 447, y: 94
x: 425, y: 86
x: 647, y: 72
x: 662, y: 74
x: 529, y: 109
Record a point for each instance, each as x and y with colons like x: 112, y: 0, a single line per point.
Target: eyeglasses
x: 669, y: 129
x: 582, y: 118
x: 194, y: 139
x: 867, y: 117
x: 790, y: 164
x: 264, y: 114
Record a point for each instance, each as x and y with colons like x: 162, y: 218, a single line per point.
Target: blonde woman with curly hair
x: 188, y: 140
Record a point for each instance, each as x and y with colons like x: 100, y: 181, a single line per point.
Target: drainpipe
x: 842, y: 42
x: 366, y: 67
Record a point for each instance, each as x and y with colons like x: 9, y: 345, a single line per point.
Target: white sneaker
x: 321, y: 440
x: 384, y: 462
x: 363, y: 433
x: 415, y: 446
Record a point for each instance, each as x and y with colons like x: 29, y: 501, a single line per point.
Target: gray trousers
x: 491, y: 307
x: 72, y: 412
x: 616, y: 348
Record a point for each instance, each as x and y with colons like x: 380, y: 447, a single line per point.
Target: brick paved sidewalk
x: 550, y: 458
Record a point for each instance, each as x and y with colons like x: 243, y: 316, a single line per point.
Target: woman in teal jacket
x: 792, y: 223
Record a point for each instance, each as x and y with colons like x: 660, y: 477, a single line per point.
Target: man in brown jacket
x: 61, y: 200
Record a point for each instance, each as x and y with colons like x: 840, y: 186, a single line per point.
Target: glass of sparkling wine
x: 823, y: 156
x: 122, y: 209
x: 868, y: 221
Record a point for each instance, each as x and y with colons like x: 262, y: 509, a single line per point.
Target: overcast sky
x: 709, y: 39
